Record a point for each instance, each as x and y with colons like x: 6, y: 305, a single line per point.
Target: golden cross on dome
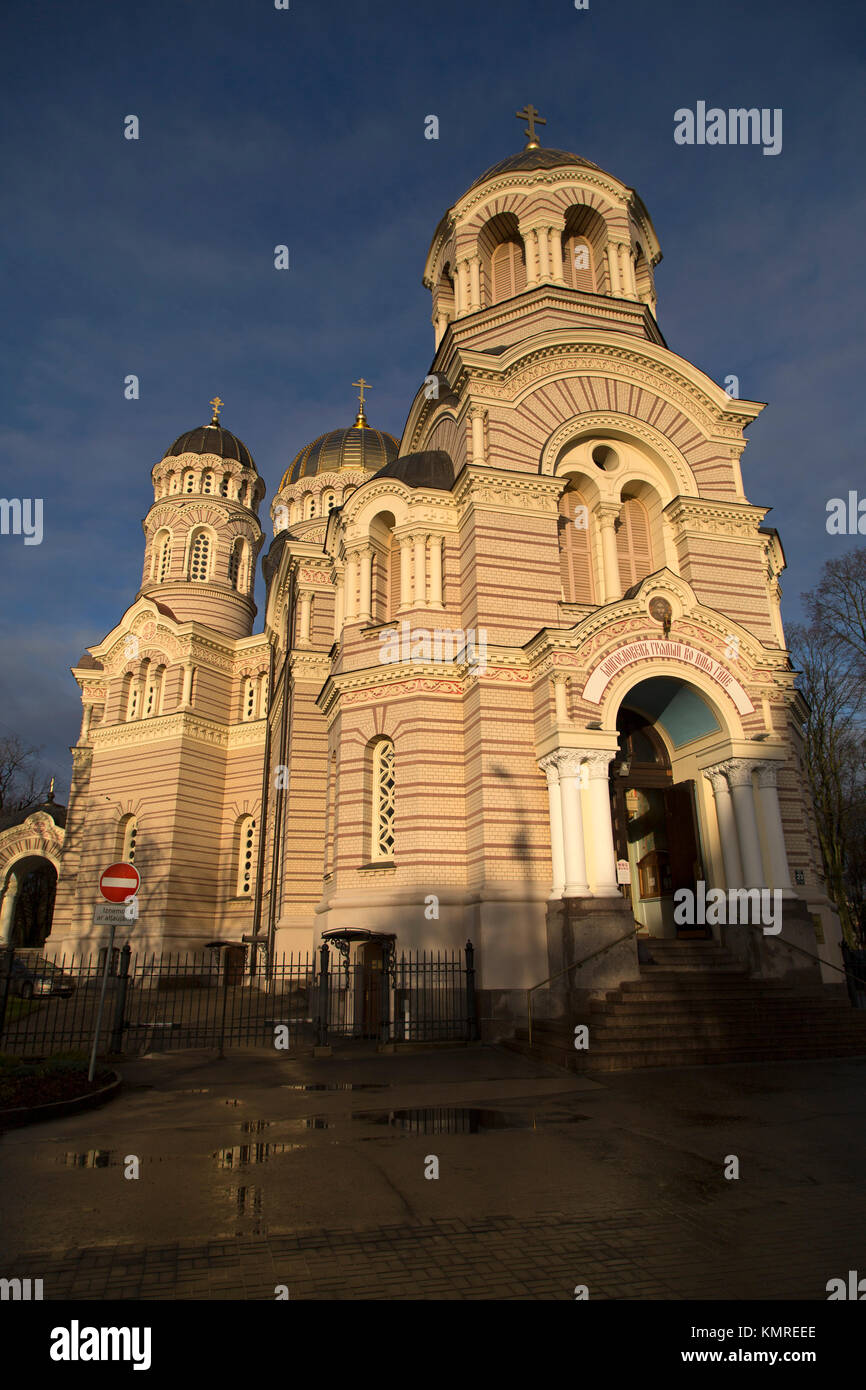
x: 361, y: 419
x: 217, y: 406
x: 530, y: 114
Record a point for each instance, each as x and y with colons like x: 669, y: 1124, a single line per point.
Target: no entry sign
x: 119, y: 882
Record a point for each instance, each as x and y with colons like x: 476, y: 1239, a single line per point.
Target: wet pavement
x: 462, y: 1173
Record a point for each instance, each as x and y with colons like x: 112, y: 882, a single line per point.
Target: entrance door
x: 683, y: 853
x: 370, y: 985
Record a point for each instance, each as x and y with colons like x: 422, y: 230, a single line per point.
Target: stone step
x: 693, y: 967
x: 598, y: 1060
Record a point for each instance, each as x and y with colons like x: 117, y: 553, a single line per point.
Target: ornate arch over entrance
x: 29, y: 849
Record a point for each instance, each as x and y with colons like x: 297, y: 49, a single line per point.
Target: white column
x: 305, y: 604
x: 560, y: 697
x: 405, y: 543
x: 475, y: 282
x: 476, y: 416
x: 602, y: 869
x: 543, y: 253
x: 551, y: 772
x: 366, y: 559
x: 556, y: 252
x: 351, y: 586
x: 462, y: 277
x: 436, y: 544
x: 86, y: 716
x: 727, y: 827
x: 186, y: 694
x: 606, y: 514
x: 739, y: 771
x: 421, y: 571
x: 626, y: 263
x: 613, y: 270
x: 572, y: 825
x: 338, y: 607
x: 530, y: 241
x: 7, y: 909
x: 771, y: 815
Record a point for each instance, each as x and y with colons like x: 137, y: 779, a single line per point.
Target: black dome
x: 212, y: 439
x: 537, y: 158
x: 433, y: 468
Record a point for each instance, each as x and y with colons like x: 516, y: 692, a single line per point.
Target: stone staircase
x: 695, y: 1005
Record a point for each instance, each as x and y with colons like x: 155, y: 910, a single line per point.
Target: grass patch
x: 38, y: 1083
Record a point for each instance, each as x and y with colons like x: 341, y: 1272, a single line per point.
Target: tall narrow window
x: 575, y: 555
x: 310, y: 507
x: 633, y: 543
x: 235, y: 564
x: 394, y: 591
x: 224, y: 486
x: 249, y: 698
x: 207, y: 483
x: 246, y: 846
x: 383, y: 800
x: 128, y: 834
x: 263, y: 694
x: 508, y: 270
x: 577, y: 263
x: 190, y: 482
x: 164, y: 561
x: 200, y: 556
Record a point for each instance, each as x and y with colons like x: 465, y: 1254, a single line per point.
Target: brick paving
x: 752, y: 1253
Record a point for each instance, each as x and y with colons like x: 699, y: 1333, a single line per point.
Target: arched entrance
x: 32, y: 907
x: 655, y: 826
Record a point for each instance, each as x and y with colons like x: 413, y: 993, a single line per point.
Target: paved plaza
x: 249, y: 1180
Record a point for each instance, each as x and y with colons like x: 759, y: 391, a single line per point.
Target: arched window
x: 293, y: 513
x: 263, y: 694
x: 246, y: 846
x: 199, y: 556
x: 163, y: 558
x: 577, y: 263
x: 242, y: 493
x: 154, y: 682
x: 643, y: 277
x: 175, y: 482
x: 575, y: 551
x: 633, y: 543
x: 127, y: 834
x: 190, y: 482
x: 383, y: 800
x: 329, y: 502
x: 249, y: 698
x: 224, y: 486
x: 309, y: 506
x: 126, y: 696
x: 207, y: 483
x: 508, y: 270
x: 445, y: 295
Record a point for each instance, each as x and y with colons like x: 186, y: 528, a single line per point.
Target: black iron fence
x: 208, y: 999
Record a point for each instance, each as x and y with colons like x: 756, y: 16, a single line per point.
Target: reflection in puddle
x: 450, y: 1119
x: 232, y: 1102
x: 336, y: 1086
x: 240, y: 1154
x: 248, y: 1202
x: 94, y: 1158
x: 254, y: 1126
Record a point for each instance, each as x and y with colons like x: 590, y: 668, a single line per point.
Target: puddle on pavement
x: 104, y: 1158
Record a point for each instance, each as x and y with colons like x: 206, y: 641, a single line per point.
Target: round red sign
x: 119, y: 882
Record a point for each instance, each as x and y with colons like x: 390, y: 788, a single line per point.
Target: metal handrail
x: 576, y: 965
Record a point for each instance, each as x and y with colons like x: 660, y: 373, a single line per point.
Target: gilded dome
x: 355, y: 447
x: 212, y: 439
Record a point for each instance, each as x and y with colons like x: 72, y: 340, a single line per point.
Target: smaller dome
x: 212, y: 439
x: 432, y: 468
x: 355, y: 447
x: 535, y: 157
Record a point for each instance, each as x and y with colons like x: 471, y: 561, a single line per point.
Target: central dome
x: 355, y: 447
x: 212, y: 439
x: 533, y: 157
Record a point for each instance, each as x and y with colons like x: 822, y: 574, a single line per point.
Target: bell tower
x: 202, y: 534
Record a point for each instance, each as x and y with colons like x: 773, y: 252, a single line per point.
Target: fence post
x: 471, y: 1014
x: 223, y: 960
x: 324, y: 998
x: 6, y: 985
x: 116, y: 1043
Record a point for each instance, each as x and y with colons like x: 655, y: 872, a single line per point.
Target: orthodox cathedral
x: 522, y: 676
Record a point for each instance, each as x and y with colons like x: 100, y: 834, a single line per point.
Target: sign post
x: 119, y: 883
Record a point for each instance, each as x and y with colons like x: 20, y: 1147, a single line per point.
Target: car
x: 39, y: 979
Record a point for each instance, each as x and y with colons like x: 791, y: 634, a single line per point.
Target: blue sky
x: 306, y: 127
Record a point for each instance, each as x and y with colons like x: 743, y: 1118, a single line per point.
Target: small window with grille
x: 245, y: 856
x: 200, y: 556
